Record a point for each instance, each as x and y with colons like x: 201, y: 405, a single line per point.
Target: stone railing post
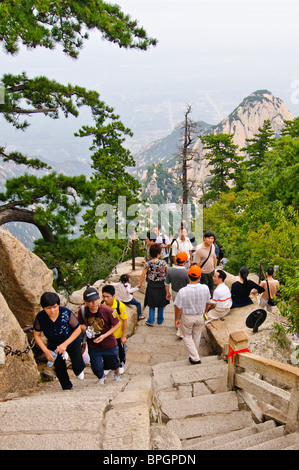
x: 237, y: 341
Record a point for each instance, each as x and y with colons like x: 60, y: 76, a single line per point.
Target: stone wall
x: 17, y: 373
x: 24, y: 277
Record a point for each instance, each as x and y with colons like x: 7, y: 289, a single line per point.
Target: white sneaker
x: 81, y: 376
x: 106, y: 372
x: 101, y: 381
x: 117, y: 377
x: 121, y: 370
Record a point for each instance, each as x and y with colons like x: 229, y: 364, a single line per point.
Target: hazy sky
x: 211, y: 54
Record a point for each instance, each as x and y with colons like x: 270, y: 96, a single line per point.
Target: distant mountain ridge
x: 162, y: 150
x: 243, y: 122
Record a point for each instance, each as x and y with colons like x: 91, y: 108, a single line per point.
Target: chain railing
x: 8, y: 350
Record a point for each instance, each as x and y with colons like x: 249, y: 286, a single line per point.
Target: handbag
x: 271, y: 302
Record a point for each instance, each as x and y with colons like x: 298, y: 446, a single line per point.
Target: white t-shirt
x: 164, y: 240
x: 222, y: 296
x: 179, y: 245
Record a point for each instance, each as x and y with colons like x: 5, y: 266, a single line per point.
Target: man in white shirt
x: 221, y: 302
x: 190, y: 304
x: 182, y: 244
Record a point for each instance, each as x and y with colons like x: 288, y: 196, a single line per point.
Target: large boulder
x: 24, y: 277
x: 18, y: 373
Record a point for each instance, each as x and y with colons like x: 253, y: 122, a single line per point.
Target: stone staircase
x: 162, y: 403
x: 195, y: 406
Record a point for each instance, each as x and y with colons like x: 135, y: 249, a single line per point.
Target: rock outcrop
x: 23, y: 278
x: 17, y: 372
x: 250, y: 115
x: 243, y: 123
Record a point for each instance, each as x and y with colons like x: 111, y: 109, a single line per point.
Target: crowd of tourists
x: 181, y: 270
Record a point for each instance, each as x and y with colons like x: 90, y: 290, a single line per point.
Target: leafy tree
x: 53, y: 201
x: 278, y: 177
x: 257, y: 147
x: 222, y: 160
x: 291, y: 128
x: 109, y: 160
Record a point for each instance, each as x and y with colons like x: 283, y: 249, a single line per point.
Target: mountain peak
x: 249, y: 116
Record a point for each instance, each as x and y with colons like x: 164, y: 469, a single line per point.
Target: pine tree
x: 222, y: 160
x: 45, y: 23
x: 258, y: 146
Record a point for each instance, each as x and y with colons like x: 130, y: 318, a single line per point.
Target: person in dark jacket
x: 241, y: 289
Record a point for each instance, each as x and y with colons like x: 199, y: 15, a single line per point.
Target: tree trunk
x: 15, y: 214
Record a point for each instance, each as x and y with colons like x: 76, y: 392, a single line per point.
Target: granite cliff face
x: 243, y: 123
x: 245, y: 120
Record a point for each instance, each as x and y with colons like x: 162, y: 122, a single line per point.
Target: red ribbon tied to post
x: 232, y: 352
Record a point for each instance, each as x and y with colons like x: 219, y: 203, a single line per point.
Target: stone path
x: 162, y: 403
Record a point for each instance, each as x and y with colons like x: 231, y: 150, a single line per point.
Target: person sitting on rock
x: 221, y: 302
x: 271, y: 286
x: 125, y: 293
x: 62, y: 330
x: 241, y: 289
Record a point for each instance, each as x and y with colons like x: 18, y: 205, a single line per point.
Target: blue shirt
x: 60, y: 330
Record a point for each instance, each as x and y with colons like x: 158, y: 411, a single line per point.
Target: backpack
x: 117, y: 306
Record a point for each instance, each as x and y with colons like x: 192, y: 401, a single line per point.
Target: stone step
x: 208, y: 377
x: 170, y: 366
x: 249, y: 441
x: 81, y: 419
x: 211, y: 425
x: 200, y: 373
x: 183, y: 408
x: 215, y: 441
x: 294, y: 447
x: 278, y: 443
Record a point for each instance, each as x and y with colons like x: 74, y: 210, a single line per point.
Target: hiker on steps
x: 190, y: 305
x: 119, y: 309
x: 100, y: 322
x: 176, y: 278
x: 155, y: 295
x: 182, y: 243
x: 62, y: 330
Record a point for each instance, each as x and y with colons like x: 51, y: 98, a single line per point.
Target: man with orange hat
x: 176, y: 278
x: 190, y: 304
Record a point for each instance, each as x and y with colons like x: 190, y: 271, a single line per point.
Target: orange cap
x: 181, y: 257
x: 194, y: 271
